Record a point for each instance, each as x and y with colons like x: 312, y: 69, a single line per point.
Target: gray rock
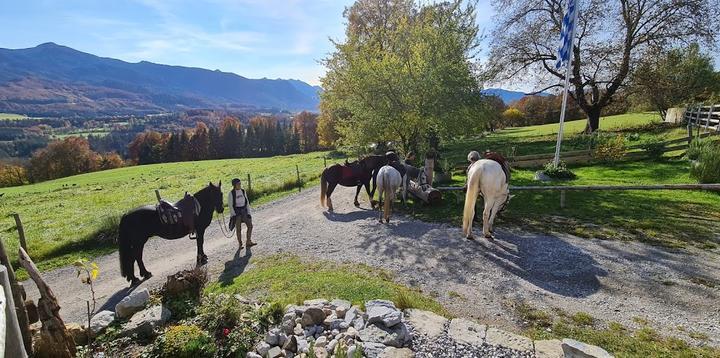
x: 541, y: 176
x: 392, y: 352
x: 288, y: 322
x: 341, y: 304
x: 288, y: 354
x: 351, y: 314
x: 331, y: 346
x: 497, y: 337
x: 145, y: 322
x: 551, y: 348
x: 395, y: 336
x: 132, y: 303
x: 320, y: 352
x: 351, y: 351
x: 262, y: 348
x: 313, y: 316
x: 373, y: 350
x: 272, y: 337
x: 303, y: 345
x: 253, y: 355
x: 358, y: 323
x: 291, y: 344
x: 340, y: 312
x: 351, y: 332
x: 383, y: 311
x: 426, y: 322
x: 467, y: 332
x: 321, y: 341
x: 100, y: 321
x: 316, y: 302
x: 298, y: 330
x: 575, y: 349
x: 274, y: 352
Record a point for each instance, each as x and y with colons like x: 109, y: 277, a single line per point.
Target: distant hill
x: 51, y: 79
x: 506, y: 95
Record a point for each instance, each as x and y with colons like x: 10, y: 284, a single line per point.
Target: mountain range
x: 55, y: 80
x: 506, y: 95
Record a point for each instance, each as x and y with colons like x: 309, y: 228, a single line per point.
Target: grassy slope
x: 66, y: 218
x: 669, y: 218
x: 11, y: 116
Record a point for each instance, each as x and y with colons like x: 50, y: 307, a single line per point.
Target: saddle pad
x: 171, y: 214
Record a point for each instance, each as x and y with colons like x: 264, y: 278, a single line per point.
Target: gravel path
x: 612, y: 281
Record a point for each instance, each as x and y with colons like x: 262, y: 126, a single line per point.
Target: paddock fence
x: 702, y: 117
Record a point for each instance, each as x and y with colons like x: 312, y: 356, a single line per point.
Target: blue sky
x: 253, y: 38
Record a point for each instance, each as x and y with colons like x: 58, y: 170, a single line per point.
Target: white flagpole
x: 556, y: 161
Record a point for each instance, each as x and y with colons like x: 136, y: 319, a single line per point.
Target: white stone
x: 262, y: 348
x: 467, y: 332
x: 497, y: 337
x: 321, y: 341
x: 132, y: 303
x: 551, y: 348
x: 392, y: 352
x: 425, y: 322
x: 341, y: 304
x: 395, y: 336
x: 100, y: 321
x: 575, y: 349
x: 274, y: 352
x: 383, y: 311
x: 315, y: 302
x: 146, y: 321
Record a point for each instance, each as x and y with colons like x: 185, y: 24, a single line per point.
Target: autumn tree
x: 611, y: 37
x: 305, y: 125
x: 63, y: 158
x: 12, y: 175
x: 405, y: 72
x: 664, y: 80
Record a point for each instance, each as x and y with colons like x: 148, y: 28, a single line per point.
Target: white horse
x: 487, y: 178
x: 388, y: 182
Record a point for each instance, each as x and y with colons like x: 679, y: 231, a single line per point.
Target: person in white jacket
x: 239, y: 205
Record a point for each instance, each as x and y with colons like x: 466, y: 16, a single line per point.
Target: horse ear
x: 219, y: 183
x: 211, y: 184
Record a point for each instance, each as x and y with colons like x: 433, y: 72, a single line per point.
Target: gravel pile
x: 444, y: 346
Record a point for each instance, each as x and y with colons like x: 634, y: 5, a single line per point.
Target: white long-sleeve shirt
x: 240, y: 201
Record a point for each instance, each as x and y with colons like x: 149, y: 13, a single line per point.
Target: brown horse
x: 349, y: 174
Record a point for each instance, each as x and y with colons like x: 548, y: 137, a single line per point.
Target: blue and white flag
x: 567, y: 34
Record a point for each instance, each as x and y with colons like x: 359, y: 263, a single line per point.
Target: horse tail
x: 323, y: 187
x: 126, y: 249
x: 473, y: 186
x: 389, y: 192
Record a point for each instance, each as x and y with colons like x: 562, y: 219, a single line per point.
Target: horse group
x: 385, y: 172
x: 486, y: 177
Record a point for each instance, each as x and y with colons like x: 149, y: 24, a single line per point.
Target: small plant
x: 560, y: 171
x: 707, y: 168
x: 583, y: 319
x: 89, y: 272
x: 609, y: 149
x: 186, y: 341
x: 654, y: 147
x: 697, y: 147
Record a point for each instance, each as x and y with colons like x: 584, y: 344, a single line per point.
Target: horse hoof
x: 387, y: 221
x: 357, y: 205
x: 470, y: 237
x: 202, y: 260
x: 489, y: 237
x: 147, y: 275
x: 134, y: 282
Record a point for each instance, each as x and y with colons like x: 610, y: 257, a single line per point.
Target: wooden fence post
x: 562, y: 199
x: 157, y: 195
x: 299, y: 184
x: 325, y: 161
x: 18, y: 294
x: 21, y: 231
x: 249, y: 183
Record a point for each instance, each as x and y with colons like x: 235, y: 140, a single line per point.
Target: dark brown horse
x: 348, y: 174
x: 139, y: 224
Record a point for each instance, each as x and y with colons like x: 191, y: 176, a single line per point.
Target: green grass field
x: 667, y: 218
x: 11, y: 116
x: 73, y: 217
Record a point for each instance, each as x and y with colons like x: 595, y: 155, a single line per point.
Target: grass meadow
x: 77, y: 216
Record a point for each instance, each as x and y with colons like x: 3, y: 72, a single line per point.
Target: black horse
x: 349, y: 174
x: 139, y: 224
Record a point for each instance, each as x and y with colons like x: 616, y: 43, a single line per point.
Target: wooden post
x: 249, y: 184
x: 562, y: 199
x: 697, y: 119
x: 299, y: 184
x: 325, y: 161
x: 21, y: 231
x: 53, y: 330
x: 709, y: 117
x: 18, y: 297
x: 157, y: 195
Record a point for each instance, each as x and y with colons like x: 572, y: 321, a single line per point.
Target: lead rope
x: 227, y: 233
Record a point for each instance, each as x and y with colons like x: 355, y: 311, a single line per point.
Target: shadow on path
x: 235, y: 267
x: 116, y: 298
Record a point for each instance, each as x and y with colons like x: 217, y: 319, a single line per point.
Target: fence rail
x: 703, y: 117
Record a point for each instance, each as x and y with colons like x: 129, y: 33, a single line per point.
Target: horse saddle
x: 184, y: 211
x: 351, y: 171
x: 497, y: 157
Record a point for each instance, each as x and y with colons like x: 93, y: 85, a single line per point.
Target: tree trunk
x: 593, y: 119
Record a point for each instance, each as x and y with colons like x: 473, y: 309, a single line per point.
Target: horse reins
x: 227, y: 233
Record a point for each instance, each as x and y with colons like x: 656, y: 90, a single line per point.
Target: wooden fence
x: 703, y: 117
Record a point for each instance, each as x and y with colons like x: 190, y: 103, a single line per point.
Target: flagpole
x: 556, y: 161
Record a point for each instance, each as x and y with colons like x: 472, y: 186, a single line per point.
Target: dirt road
x: 611, y: 280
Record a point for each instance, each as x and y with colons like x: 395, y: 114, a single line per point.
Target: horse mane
x: 497, y: 157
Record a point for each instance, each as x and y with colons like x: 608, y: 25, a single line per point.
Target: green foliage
x: 560, y: 171
x: 609, y: 148
x: 289, y: 280
x: 654, y: 147
x: 697, y: 147
x: 404, y: 73
x: 185, y: 341
x: 707, y: 167
x: 582, y: 319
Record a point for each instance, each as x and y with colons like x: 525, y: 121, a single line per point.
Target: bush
x: 707, y: 169
x: 560, y: 172
x: 186, y: 342
x: 609, y: 149
x: 654, y: 147
x: 12, y: 175
x: 697, y: 147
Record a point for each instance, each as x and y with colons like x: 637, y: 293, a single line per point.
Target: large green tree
x: 664, y: 80
x: 405, y: 72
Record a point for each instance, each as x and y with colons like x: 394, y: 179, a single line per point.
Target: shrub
x: 560, y: 171
x: 609, y: 149
x: 698, y: 146
x: 12, y: 175
x: 707, y: 169
x: 218, y: 311
x: 654, y: 147
x: 186, y: 342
